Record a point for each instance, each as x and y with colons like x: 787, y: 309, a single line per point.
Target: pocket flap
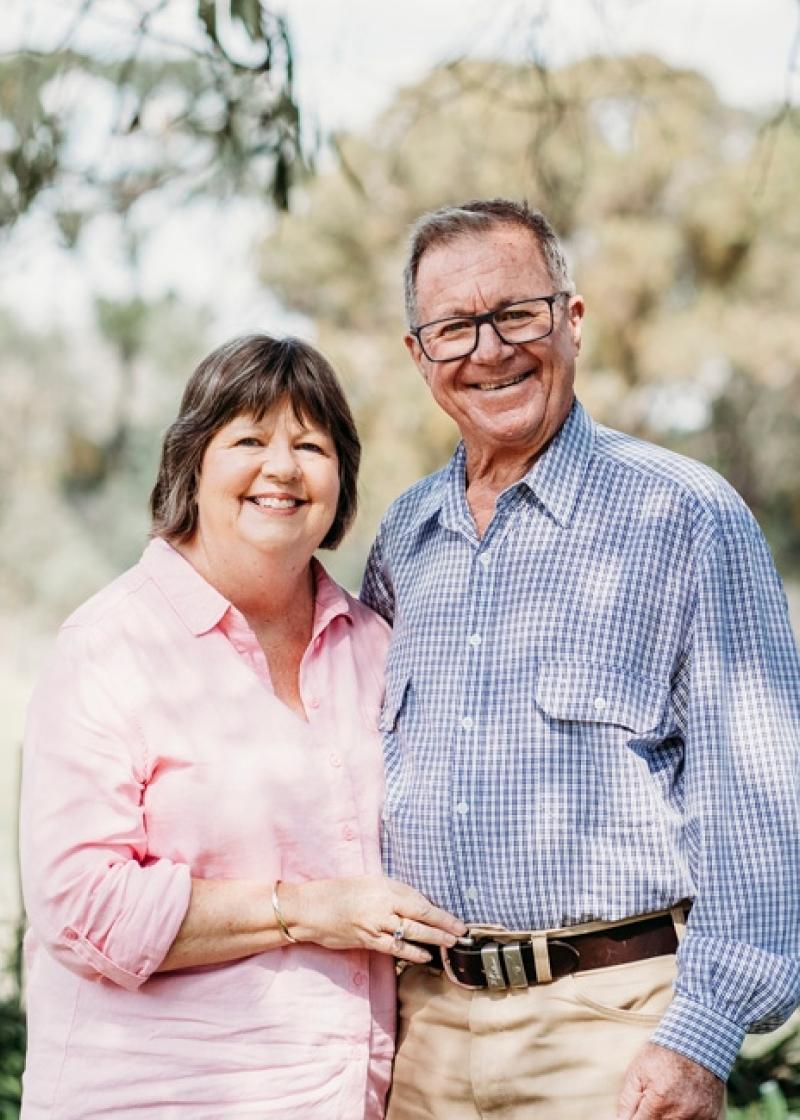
x: 594, y: 693
x: 396, y: 686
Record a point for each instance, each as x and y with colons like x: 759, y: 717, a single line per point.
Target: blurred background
x: 176, y: 172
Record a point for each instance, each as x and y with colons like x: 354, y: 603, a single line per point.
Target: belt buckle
x: 468, y: 943
x: 499, y: 976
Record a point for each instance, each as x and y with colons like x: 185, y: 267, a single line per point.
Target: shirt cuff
x: 140, y: 943
x: 701, y: 1034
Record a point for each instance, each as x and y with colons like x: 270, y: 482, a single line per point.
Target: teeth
x: 277, y: 503
x: 490, y: 386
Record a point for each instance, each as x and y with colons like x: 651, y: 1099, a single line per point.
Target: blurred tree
x: 136, y: 110
x: 95, y: 130
x: 78, y: 452
x: 682, y: 239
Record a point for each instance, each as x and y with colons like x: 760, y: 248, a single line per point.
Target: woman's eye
x: 309, y: 445
x: 248, y: 441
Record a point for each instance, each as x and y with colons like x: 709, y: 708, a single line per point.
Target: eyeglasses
x: 527, y: 320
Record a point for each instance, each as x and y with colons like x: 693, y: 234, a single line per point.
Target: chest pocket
x: 615, y: 722
x: 591, y: 693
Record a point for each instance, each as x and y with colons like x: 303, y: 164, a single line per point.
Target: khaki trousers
x: 554, y: 1051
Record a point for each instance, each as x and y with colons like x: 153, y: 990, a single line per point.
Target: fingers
x: 414, y: 906
x: 402, y: 950
x: 629, y: 1097
x: 429, y: 934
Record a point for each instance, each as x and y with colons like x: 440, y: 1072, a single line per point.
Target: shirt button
x: 359, y: 979
x: 472, y: 893
x: 462, y: 808
x: 313, y: 702
x: 600, y: 703
x: 347, y: 832
x: 335, y: 760
x: 474, y: 640
x: 70, y: 935
x: 485, y: 559
x: 468, y: 723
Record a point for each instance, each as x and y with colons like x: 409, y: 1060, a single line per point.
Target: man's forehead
x: 497, y: 263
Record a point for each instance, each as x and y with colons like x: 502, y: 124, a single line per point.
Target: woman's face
x: 269, y: 484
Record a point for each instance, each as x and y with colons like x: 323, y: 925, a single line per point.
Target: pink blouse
x: 156, y: 751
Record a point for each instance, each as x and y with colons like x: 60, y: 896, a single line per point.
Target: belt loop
x: 541, y: 959
x: 678, y: 914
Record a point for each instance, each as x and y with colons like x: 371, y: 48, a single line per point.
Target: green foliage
x: 12, y: 1036
x: 192, y: 116
x: 766, y: 1079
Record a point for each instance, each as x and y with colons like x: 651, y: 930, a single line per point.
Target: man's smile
x: 507, y: 383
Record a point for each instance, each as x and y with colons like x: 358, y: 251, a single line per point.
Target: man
x: 591, y: 724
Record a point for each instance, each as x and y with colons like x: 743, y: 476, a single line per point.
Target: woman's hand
x: 364, y: 913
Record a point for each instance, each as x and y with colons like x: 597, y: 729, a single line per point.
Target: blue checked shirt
x: 594, y: 711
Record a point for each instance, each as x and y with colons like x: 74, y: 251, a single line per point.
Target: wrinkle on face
x: 503, y: 429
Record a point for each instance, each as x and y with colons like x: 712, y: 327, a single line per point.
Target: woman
x: 210, y: 933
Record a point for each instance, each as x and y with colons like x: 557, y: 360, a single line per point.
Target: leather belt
x: 500, y: 965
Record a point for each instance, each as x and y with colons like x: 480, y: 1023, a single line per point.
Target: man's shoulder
x: 685, y: 483
x: 416, y: 504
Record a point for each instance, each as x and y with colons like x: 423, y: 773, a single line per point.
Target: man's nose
x: 491, y: 347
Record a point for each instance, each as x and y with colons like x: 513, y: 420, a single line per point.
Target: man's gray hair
x: 440, y: 227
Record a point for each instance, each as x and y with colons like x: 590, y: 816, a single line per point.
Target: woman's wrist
x: 279, y: 915
x: 289, y: 911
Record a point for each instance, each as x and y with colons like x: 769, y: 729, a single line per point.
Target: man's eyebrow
x: 459, y: 314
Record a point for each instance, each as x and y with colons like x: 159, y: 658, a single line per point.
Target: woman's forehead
x: 281, y: 413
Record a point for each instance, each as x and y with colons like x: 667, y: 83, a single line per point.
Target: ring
x: 399, y: 934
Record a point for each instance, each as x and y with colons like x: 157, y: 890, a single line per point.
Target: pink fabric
x: 156, y: 751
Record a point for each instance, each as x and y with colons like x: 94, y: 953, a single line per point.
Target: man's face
x: 505, y: 399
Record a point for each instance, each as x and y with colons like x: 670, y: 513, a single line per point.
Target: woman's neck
x: 266, y: 587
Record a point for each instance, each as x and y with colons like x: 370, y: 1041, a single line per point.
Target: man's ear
x: 417, y: 357
x: 575, y: 310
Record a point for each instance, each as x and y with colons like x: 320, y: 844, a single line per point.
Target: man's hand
x: 663, y: 1085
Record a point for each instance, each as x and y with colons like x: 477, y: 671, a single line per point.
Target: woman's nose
x: 279, y: 462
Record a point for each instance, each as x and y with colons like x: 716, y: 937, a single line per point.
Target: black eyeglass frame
x: 488, y: 317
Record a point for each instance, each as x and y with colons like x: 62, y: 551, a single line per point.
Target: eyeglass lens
x: 526, y: 321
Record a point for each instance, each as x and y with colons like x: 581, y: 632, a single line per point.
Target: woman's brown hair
x: 249, y: 376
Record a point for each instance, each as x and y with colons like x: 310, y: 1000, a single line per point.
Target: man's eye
x: 515, y: 315
x: 454, y: 326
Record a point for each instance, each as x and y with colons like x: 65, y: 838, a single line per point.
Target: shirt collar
x: 557, y: 475
x: 201, y: 607
x: 330, y: 601
x: 555, y: 479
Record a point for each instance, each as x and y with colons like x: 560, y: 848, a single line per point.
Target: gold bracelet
x: 278, y: 916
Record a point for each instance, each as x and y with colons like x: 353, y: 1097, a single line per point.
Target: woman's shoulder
x: 108, y: 601
x: 368, y: 628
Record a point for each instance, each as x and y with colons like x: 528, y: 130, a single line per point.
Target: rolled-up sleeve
x: 96, y: 898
